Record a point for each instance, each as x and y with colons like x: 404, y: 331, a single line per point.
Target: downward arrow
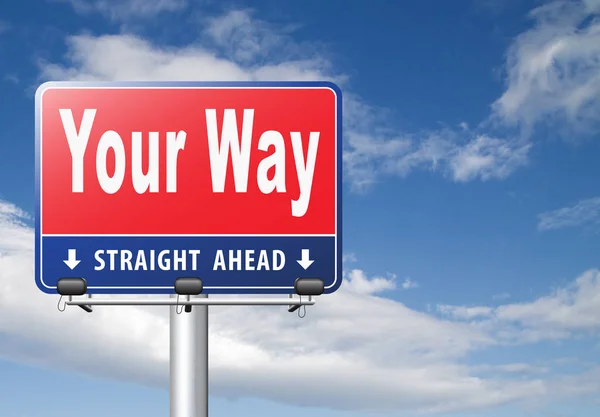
x: 72, y: 261
x: 305, y: 260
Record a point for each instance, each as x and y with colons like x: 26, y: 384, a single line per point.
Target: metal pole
x: 189, y: 361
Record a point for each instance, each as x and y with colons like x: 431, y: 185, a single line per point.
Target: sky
x: 471, y: 210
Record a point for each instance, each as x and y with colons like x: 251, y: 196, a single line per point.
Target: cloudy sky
x: 471, y: 209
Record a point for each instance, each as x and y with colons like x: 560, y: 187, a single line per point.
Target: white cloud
x: 553, y: 80
x: 392, y: 357
x: 522, y: 368
x: 584, y: 212
x: 372, y: 147
x: 501, y: 296
x: 242, y: 38
x: 574, y: 308
x: 120, y: 10
x: 462, y: 158
x: 408, y: 284
x: 127, y: 57
x: 358, y: 282
x: 248, y: 40
x: 514, y: 368
x: 348, y: 258
x: 552, y: 73
x: 553, y: 69
x: 567, y: 311
x: 465, y: 313
x: 488, y: 158
x: 11, y: 78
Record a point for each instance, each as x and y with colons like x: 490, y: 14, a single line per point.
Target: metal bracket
x: 87, y: 307
x: 306, y: 286
x: 71, y: 287
x: 188, y: 286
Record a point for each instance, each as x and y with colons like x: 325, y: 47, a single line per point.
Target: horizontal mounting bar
x: 194, y: 301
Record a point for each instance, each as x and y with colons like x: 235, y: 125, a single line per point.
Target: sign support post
x: 189, y: 360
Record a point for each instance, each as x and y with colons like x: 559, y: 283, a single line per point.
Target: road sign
x: 140, y: 183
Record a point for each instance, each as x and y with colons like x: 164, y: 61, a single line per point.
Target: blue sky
x: 471, y: 209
